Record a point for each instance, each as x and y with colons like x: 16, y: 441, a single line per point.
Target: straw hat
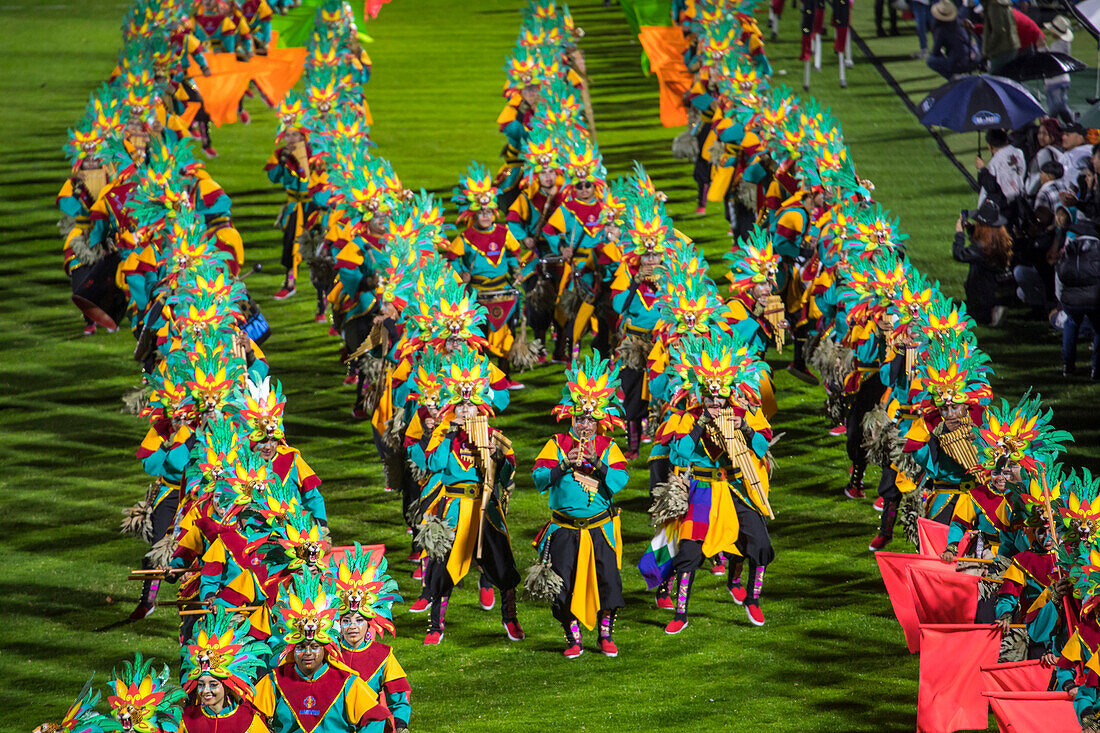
x: 1059, y: 27
x: 945, y: 11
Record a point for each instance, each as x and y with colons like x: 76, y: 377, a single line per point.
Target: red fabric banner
x: 665, y: 46
x: 942, y: 596
x: 375, y: 552
x: 1027, y: 676
x: 949, y: 696
x: 1027, y: 712
x: 931, y: 537
x: 893, y: 567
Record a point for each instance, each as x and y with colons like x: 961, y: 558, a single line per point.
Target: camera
x: 964, y: 214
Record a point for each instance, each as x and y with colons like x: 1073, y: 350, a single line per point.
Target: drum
x: 255, y: 325
x: 96, y: 294
x: 499, y: 304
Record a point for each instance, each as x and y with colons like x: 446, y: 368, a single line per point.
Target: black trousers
x: 634, y: 407
x: 870, y: 392
x: 564, y: 544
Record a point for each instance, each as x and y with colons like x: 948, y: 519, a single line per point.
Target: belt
x: 710, y: 475
x: 578, y: 523
x: 641, y: 332
x: 486, y: 283
x: 299, y: 196
x: 464, y: 490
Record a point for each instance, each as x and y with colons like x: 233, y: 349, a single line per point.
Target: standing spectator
x: 1060, y: 36
x: 1077, y: 151
x: 1000, y: 38
x: 922, y: 16
x: 1028, y: 31
x: 1049, y: 139
x: 988, y: 252
x: 1003, y: 177
x: 1035, y: 255
x: 1079, y: 274
x: 1052, y: 185
x: 952, y: 50
x: 889, y: 6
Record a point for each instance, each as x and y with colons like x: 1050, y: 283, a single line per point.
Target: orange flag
x: 278, y: 72
x: 949, y: 695
x: 665, y: 46
x: 222, y: 90
x: 1026, y: 712
x: 1026, y: 676
x: 942, y: 596
x: 893, y: 566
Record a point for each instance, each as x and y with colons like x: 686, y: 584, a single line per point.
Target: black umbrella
x: 1041, y: 65
x: 979, y: 102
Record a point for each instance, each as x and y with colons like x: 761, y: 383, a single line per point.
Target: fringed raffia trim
x: 910, y: 510
x: 670, y: 500
x: 632, y: 352
x: 685, y: 146
x: 435, y: 537
x: 161, y: 554
x: 878, y: 430
x: 542, y: 583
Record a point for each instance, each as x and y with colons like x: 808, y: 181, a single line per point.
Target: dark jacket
x: 951, y: 41
x: 1079, y: 270
x: 981, y: 280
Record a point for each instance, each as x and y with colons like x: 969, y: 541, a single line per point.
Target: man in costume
x: 582, y: 470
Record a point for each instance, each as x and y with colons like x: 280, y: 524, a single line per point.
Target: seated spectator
x: 1052, y: 184
x: 986, y: 246
x: 1078, y: 272
x: 1076, y: 150
x: 953, y: 51
x: 1048, y: 141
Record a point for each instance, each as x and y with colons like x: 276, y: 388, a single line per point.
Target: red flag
x: 931, y: 537
x: 665, y: 46
x: 942, y: 596
x: 893, y: 566
x: 949, y: 695
x: 1026, y: 712
x: 1027, y: 676
x: 374, y: 552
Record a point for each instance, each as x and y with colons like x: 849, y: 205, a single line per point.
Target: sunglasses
x: 584, y: 184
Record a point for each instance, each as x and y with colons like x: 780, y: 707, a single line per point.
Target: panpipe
x: 94, y: 180
x: 477, y: 427
x: 742, y: 457
x: 774, y: 313
x: 911, y: 353
x: 590, y: 484
x: 298, y: 150
x: 959, y: 444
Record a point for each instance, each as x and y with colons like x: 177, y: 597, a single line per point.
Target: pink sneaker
x: 756, y: 616
x: 352, y: 378
x: 838, y: 430
x: 143, y: 610
x: 514, y: 631
x: 878, y: 543
x: 665, y: 603
x: 738, y: 594
x: 879, y: 504
x: 332, y: 331
x: 418, y: 574
x: 487, y: 598
x: 89, y: 330
x: 854, y: 492
x: 608, y: 648
x: 572, y: 652
x: 359, y: 413
x: 675, y: 626
x: 420, y: 605
x: 719, y: 569
x: 515, y: 386
x: 433, y: 637
x: 319, y: 318
x: 700, y: 209
x: 285, y: 292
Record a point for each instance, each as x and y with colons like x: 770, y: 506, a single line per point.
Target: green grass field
x: 831, y: 657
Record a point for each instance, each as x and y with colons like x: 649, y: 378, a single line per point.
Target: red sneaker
x: 543, y: 358
x: 738, y: 594
x: 352, y: 378
x: 332, y: 331
x: 210, y: 152
x: 756, y: 616
x: 879, y: 504
x: 878, y: 543
x: 414, y: 556
x: 854, y: 492
x: 359, y: 413
x: 418, y: 574
x: 433, y: 637
x: 89, y: 330
x: 244, y: 117
x: 285, y: 292
x: 514, y: 631
x: 573, y: 652
x: 487, y: 598
x: 515, y: 386
x: 675, y: 626
x: 838, y: 430
x: 630, y: 455
x: 700, y: 209
x: 387, y: 488
x: 719, y: 569
x: 608, y: 648
x: 143, y: 610
x: 319, y: 318
x: 647, y: 438
x: 665, y: 603
x: 420, y: 605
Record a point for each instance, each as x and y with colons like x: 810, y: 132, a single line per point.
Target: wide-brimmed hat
x: 1059, y: 27
x: 945, y: 11
x: 990, y: 214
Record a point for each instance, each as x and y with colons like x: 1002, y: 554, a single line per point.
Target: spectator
x: 1000, y: 37
x: 1079, y: 274
x: 1087, y: 200
x: 1035, y: 257
x: 921, y: 15
x: 1028, y: 32
x: 1077, y: 151
x: 953, y: 52
x: 888, y: 5
x: 1049, y: 139
x: 1003, y: 177
x: 1060, y: 37
x: 988, y: 252
x: 1052, y: 185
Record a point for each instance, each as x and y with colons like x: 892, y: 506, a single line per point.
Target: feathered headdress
x: 81, y: 717
x: 592, y: 390
x: 365, y: 588
x: 223, y: 649
x: 142, y: 700
x: 261, y: 406
x: 475, y: 191
x: 951, y: 373
x: 466, y: 376
x: 718, y: 366
x: 752, y: 262
x: 1020, y: 434
x: 306, y: 610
